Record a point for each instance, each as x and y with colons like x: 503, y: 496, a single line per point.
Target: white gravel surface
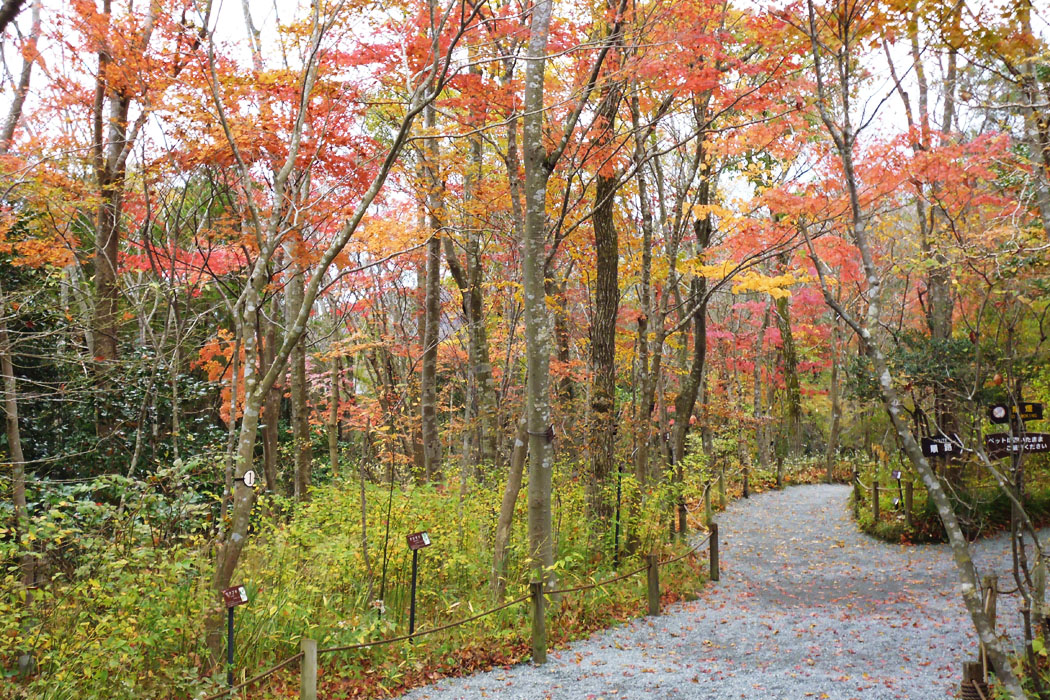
x: 807, y: 607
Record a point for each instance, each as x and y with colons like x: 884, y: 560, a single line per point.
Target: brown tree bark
x: 333, y: 417
x: 836, y: 406
x: 301, y: 444
x: 603, y: 327
x: 272, y: 404
x: 789, y: 367
x: 506, y: 510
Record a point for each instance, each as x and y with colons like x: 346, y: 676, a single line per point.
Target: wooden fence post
x: 708, y: 516
x: 539, y: 623
x: 653, y: 579
x: 990, y: 591
x: 973, y: 680
x: 909, y: 491
x: 875, y: 501
x: 856, y: 494
x: 780, y: 471
x: 308, y: 669
x: 722, y: 486
x: 712, y: 550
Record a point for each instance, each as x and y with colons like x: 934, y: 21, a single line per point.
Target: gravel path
x: 807, y: 607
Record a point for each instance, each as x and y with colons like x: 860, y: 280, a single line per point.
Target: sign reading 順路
x: 941, y: 445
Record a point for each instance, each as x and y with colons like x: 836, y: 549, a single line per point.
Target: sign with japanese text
x: 1004, y: 444
x: 1026, y: 410
x: 941, y: 446
x: 234, y: 596
x: 418, y: 540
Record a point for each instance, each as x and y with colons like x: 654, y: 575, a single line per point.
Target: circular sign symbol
x: 999, y: 411
x: 249, y: 478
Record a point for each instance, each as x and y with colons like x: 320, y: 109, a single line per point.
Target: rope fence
x: 256, y: 678
x: 423, y: 633
x: 311, y: 657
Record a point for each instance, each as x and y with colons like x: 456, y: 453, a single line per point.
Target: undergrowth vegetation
x: 981, y: 506
x: 123, y: 584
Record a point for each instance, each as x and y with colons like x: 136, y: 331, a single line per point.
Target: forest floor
x: 807, y: 607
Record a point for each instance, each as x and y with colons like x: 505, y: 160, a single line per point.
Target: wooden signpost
x: 232, y: 597
x: 416, y: 542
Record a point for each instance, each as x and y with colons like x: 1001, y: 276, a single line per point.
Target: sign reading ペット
x: 1004, y: 444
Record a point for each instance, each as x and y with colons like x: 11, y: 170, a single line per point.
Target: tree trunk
x: 14, y: 113
x: 431, y: 304
x: 603, y: 328
x: 506, y: 510
x: 428, y: 379
x: 14, y: 448
x: 333, y: 418
x: 836, y: 407
x: 302, y: 448
x: 789, y: 366
x: 537, y: 316
x: 690, y: 389
x: 761, y: 440
x: 272, y: 405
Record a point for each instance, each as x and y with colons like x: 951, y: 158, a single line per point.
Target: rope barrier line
x: 256, y: 678
x: 694, y: 550
x: 589, y: 586
x: 351, y: 647
x: 978, y: 689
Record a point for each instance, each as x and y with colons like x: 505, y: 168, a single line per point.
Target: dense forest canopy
x: 599, y: 252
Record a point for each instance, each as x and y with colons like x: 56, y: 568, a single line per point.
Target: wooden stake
x: 722, y: 487
x: 713, y: 551
x: 308, y: 670
x: 539, y: 623
x: 909, y: 490
x: 708, y: 516
x: 653, y: 579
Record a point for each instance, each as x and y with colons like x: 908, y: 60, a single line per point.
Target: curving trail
x: 807, y: 607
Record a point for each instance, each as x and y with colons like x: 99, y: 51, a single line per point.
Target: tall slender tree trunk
x: 333, y: 417
x: 836, y: 406
x: 431, y: 303
x: 272, y: 405
x: 14, y: 448
x: 506, y: 510
x: 690, y: 389
x: 302, y: 448
x: 537, y: 315
x: 789, y: 367
x: 603, y: 327
x: 428, y: 380
x: 761, y: 430
x: 14, y: 113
